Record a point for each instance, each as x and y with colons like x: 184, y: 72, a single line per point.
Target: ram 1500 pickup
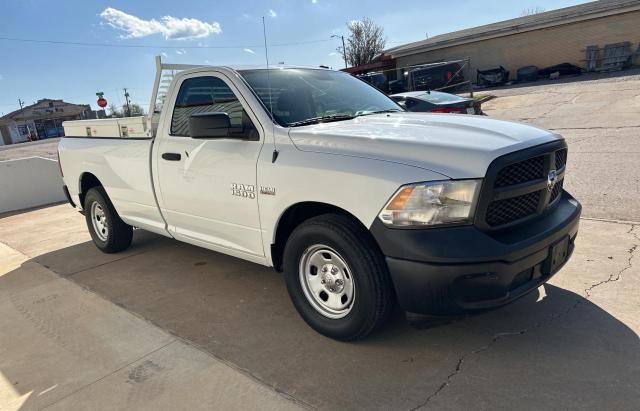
x: 311, y: 171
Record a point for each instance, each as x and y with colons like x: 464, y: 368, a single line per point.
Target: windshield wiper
x: 390, y: 110
x: 322, y: 119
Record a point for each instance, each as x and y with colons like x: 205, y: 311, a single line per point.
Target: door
x: 207, y: 186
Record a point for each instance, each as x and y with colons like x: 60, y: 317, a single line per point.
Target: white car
x: 324, y: 178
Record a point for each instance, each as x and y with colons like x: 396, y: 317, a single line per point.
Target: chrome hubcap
x: 327, y: 281
x: 99, y: 221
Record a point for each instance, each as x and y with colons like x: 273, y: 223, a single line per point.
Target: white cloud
x: 164, y: 54
x: 170, y: 27
x: 314, y: 1
x: 333, y: 53
x: 181, y: 52
x: 249, y: 51
x: 272, y: 13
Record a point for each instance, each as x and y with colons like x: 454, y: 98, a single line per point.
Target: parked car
x: 436, y: 102
x: 434, y: 76
x: 321, y: 176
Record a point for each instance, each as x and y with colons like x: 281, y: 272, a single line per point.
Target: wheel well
x: 87, y: 182
x: 292, y: 218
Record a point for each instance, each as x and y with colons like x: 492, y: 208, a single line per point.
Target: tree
x: 136, y: 109
x: 531, y: 11
x: 119, y: 112
x: 366, y: 40
x: 115, y: 112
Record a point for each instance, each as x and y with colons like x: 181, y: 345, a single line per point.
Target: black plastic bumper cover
x: 448, y: 270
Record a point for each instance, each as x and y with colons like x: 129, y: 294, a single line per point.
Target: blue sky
x: 31, y: 71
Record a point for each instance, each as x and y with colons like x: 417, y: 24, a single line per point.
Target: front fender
x: 360, y: 186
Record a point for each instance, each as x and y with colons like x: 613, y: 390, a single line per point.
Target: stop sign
x: 102, y: 102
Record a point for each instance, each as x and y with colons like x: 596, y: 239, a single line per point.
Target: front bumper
x: 455, y: 269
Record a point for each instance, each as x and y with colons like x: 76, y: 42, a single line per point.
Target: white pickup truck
x: 315, y: 173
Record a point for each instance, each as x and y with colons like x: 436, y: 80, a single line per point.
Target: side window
x: 207, y: 95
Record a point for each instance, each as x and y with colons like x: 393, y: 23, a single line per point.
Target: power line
x: 78, y: 43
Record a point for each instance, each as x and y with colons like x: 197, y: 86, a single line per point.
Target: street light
x: 344, y: 51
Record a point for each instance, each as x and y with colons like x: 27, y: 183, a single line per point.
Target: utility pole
x: 21, y: 103
x: 126, y: 96
x: 344, y: 50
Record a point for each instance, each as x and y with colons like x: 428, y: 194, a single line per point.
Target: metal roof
x: 586, y: 11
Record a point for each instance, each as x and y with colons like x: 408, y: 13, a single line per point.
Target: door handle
x: 171, y: 156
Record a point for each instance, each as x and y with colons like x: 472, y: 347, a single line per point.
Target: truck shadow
x: 553, y: 348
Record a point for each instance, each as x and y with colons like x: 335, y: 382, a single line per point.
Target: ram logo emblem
x: 552, y: 179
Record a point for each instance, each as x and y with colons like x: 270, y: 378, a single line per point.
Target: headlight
x: 434, y: 203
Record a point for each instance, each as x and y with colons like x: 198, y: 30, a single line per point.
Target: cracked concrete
x: 616, y: 276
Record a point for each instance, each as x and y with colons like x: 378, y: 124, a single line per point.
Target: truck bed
x: 122, y: 165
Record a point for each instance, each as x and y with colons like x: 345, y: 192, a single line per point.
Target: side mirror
x: 209, y: 125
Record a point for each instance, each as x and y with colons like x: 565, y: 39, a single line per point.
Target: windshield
x: 305, y: 96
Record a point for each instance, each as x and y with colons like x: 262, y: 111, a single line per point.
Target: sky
x: 199, y: 32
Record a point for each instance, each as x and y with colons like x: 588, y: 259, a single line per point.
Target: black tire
x: 117, y: 234
x: 374, y: 296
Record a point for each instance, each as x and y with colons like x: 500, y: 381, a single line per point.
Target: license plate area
x: 558, y: 254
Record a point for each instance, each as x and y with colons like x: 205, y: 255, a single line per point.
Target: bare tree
x: 531, y: 11
x: 366, y: 40
x: 115, y: 112
x: 136, y: 109
x: 119, y: 112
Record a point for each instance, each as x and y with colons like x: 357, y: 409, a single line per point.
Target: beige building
x: 40, y: 120
x: 542, y: 40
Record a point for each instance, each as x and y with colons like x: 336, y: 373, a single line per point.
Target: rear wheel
x: 109, y: 233
x: 337, y: 277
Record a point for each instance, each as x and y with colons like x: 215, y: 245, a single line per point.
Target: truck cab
x: 360, y: 204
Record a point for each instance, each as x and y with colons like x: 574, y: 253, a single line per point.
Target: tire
x: 351, y: 277
x: 109, y: 233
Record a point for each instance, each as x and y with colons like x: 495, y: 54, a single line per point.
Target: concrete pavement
x: 168, y: 321
x: 63, y: 347
x: 42, y: 148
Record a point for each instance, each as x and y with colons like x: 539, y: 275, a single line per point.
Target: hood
x: 458, y: 146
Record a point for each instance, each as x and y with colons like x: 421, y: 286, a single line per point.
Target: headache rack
x: 164, y: 75
x: 521, y: 186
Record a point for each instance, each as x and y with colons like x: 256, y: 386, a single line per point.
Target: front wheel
x: 109, y: 233
x: 337, y: 277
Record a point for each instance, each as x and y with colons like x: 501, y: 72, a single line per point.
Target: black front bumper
x: 454, y: 269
